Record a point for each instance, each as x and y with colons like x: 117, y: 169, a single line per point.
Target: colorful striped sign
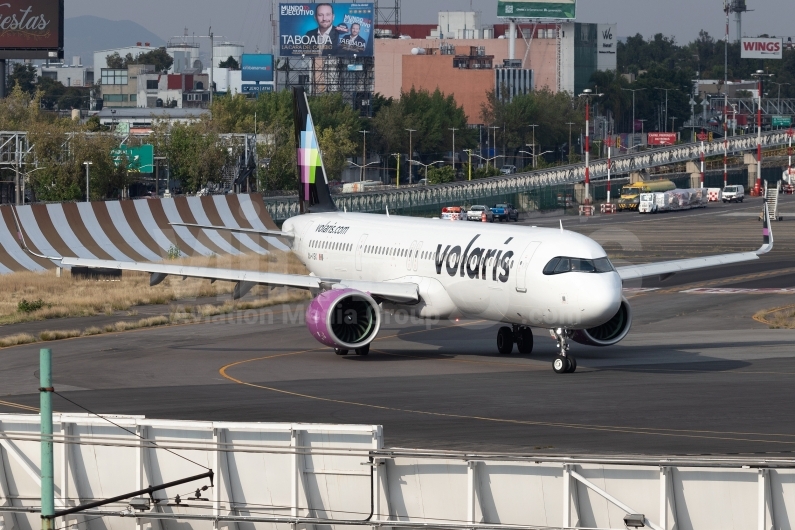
x: 136, y: 230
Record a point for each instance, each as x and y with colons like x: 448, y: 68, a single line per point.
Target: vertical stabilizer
x: 313, y: 190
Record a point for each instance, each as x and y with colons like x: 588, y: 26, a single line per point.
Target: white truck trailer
x: 674, y: 200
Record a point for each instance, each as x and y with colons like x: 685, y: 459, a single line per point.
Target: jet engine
x: 609, y: 333
x: 343, y: 318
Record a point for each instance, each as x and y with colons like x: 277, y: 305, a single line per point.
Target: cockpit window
x: 560, y: 265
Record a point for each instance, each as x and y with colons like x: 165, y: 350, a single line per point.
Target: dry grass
x: 16, y: 340
x: 69, y: 297
x: 778, y: 318
x: 59, y: 334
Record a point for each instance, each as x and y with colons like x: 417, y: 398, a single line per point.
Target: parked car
x: 505, y: 212
x: 733, y: 194
x: 508, y: 169
x: 476, y: 213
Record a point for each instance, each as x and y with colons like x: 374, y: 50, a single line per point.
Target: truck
x: 505, y: 212
x: 478, y: 211
x: 453, y: 213
x: 673, y: 200
x: 630, y: 194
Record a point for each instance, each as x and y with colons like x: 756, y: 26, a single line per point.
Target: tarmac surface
x: 696, y: 375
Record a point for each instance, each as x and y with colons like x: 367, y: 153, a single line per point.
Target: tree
x: 335, y: 146
x: 24, y: 77
x: 195, y: 155
x: 230, y: 62
x: 158, y: 57
x: 440, y: 175
x: 114, y: 60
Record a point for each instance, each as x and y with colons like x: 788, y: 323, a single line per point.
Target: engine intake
x: 609, y: 333
x: 343, y: 318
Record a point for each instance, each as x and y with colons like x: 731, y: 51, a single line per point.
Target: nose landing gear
x: 563, y: 363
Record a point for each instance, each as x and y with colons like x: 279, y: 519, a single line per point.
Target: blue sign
x: 326, y: 29
x: 256, y: 88
x: 257, y: 67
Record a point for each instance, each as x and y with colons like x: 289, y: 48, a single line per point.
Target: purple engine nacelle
x: 343, y: 318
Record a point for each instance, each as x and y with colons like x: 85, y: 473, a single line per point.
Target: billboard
x: 558, y: 9
x: 256, y: 67
x: 326, y: 29
x: 661, y: 138
x: 760, y: 48
x: 31, y: 29
x: 251, y: 89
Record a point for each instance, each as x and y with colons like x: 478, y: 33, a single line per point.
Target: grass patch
x: 778, y: 318
x: 16, y: 340
x: 29, y: 296
x: 48, y: 335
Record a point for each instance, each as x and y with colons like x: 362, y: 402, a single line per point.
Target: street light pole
x: 469, y: 169
x: 534, y: 143
x: 666, y: 105
x: 87, y: 164
x: 453, y: 157
x: 364, y: 153
x: 778, y: 104
x: 633, y: 90
x: 570, y: 123
x: 411, y: 153
x: 494, y: 128
x: 758, y: 186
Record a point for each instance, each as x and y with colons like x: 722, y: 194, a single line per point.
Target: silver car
x: 476, y: 212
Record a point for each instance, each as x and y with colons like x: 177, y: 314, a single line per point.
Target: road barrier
x: 607, y: 207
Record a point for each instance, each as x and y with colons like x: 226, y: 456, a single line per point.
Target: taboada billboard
x: 326, y: 29
x: 31, y: 29
x: 558, y: 9
x: 760, y: 48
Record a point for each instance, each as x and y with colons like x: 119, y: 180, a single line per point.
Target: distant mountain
x: 86, y: 34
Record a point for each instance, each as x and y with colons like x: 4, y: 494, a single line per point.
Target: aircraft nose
x: 600, y: 298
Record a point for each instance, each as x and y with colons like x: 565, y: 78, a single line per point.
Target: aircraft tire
x: 525, y: 341
x: 561, y: 365
x: 505, y: 340
x: 340, y: 351
x: 364, y: 350
x: 572, y: 365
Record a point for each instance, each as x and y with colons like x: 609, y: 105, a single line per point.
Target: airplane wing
x: 277, y: 233
x: 665, y: 269
x: 245, y: 280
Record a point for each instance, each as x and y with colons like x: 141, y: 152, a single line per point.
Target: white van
x: 733, y: 194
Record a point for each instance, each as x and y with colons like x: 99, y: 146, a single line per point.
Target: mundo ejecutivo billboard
x: 558, y: 9
x: 326, y: 29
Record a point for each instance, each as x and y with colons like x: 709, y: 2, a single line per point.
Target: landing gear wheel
x: 572, y: 364
x: 505, y: 340
x: 561, y: 365
x: 364, y: 350
x: 524, y: 340
x: 340, y: 351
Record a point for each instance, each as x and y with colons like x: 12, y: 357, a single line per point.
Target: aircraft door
x: 524, y: 262
x: 416, y: 258
x: 360, y: 251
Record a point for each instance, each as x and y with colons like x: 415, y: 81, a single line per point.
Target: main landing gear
x: 522, y: 336
x: 563, y: 363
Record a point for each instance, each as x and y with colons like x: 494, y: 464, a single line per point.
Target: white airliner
x: 363, y: 264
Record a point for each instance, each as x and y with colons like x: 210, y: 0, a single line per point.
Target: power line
x: 128, y: 430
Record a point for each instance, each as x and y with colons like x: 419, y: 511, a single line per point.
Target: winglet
x: 767, y: 233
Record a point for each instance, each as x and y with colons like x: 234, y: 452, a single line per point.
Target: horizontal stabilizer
x: 275, y: 233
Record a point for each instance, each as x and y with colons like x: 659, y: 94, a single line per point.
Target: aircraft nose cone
x: 601, y: 298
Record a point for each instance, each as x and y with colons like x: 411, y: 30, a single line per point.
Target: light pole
x: 471, y: 154
x: 534, y: 142
x: 586, y: 95
x: 469, y: 165
x: 778, y: 105
x: 157, y: 174
x: 87, y: 164
x: 759, y: 74
x: 494, y: 128
x: 364, y: 153
x: 666, y: 103
x: 454, y: 130
x: 633, y: 90
x: 570, y: 123
x: 533, y: 155
x: 397, y: 177
x: 426, y: 166
x: 411, y: 152
x: 673, y: 124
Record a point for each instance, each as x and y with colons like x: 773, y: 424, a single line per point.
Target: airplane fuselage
x: 494, y: 272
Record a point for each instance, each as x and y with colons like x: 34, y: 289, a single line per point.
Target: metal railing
x: 281, y: 208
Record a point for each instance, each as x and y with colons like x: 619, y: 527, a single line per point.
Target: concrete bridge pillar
x: 695, y: 173
x: 749, y: 159
x: 636, y: 176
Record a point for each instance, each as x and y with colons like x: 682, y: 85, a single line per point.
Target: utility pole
x: 570, y: 123
x: 586, y: 95
x: 454, y: 130
x: 364, y: 153
x: 88, y: 165
x: 411, y: 153
x: 608, y: 174
x: 534, y: 143
x: 47, y: 474
x: 666, y: 106
x: 494, y: 128
x: 758, y: 186
x: 633, y: 90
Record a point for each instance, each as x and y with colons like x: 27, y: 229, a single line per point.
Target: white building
x: 227, y: 81
x: 69, y: 75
